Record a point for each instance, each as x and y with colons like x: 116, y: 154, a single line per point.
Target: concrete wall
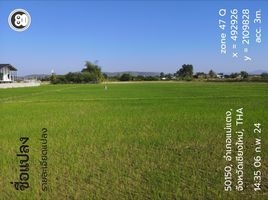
x: 17, y: 85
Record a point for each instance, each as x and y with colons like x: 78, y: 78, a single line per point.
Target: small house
x: 220, y: 75
x: 7, y: 73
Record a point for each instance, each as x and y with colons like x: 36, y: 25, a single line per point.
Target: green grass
x: 132, y: 141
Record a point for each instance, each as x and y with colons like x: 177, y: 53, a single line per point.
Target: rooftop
x: 9, y: 66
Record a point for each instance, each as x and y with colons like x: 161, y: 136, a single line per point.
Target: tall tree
x: 186, y: 71
x: 244, y: 74
x: 94, y: 70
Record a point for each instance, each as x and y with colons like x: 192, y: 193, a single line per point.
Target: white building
x: 7, y: 73
x: 221, y: 76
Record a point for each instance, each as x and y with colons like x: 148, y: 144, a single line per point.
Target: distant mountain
x: 133, y: 73
x: 109, y: 74
x: 257, y: 72
x: 33, y: 76
x: 38, y: 76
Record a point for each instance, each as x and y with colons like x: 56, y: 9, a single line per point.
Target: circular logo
x: 19, y: 20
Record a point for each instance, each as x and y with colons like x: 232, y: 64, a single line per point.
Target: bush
x: 78, y: 77
x: 91, y: 73
x: 151, y: 78
x: 125, y: 77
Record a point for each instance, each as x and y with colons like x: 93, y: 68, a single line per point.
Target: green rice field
x: 160, y: 140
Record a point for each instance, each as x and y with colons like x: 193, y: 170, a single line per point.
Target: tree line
x: 92, y: 73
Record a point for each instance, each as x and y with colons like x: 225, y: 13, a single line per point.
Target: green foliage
x: 138, y: 78
x: 168, y: 76
x: 151, y: 78
x: 185, y: 72
x: 105, y: 76
x: 235, y: 75
x: 244, y: 74
x: 90, y: 74
x: 264, y: 76
x: 125, y: 77
x: 200, y: 75
x: 53, y: 78
x: 46, y: 78
x: 94, y: 70
x: 129, y: 77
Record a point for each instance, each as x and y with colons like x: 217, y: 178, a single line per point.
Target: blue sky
x: 125, y: 35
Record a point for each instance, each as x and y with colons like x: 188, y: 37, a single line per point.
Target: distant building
x: 220, y: 75
x: 8, y: 73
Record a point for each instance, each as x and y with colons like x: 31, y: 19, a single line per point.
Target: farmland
x: 131, y: 141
